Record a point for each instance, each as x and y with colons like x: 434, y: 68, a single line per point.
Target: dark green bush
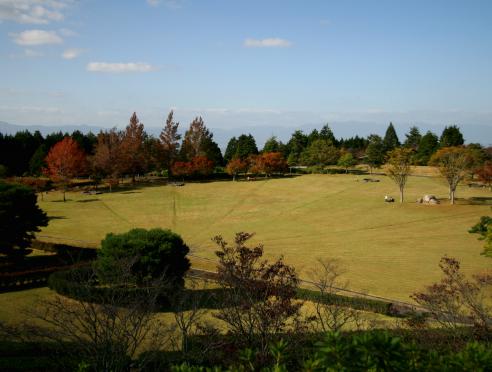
x: 146, y: 254
x: 20, y: 218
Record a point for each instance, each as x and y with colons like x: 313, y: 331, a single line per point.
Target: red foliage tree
x: 182, y: 168
x: 202, y: 166
x: 268, y: 163
x: 484, y: 174
x: 105, y: 161
x: 132, y: 152
x: 198, y: 166
x: 236, y: 166
x: 64, y: 161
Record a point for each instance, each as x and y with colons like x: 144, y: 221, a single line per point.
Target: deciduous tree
x: 484, y: 174
x: 346, y: 161
x: 399, y: 161
x: 236, y: 166
x: 320, y: 152
x: 65, y: 161
x: 453, y: 163
x: 132, y: 154
x: 169, y: 138
x: 259, y: 297
x: 106, y: 160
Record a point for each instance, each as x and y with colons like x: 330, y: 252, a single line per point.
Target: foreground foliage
x: 20, y: 218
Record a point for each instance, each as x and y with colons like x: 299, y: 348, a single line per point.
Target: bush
x: 147, y: 254
x: 20, y: 218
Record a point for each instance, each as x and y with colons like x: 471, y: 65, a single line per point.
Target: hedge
x: 80, y: 283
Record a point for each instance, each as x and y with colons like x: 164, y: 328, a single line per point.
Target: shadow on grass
x: 61, y: 201
x: 477, y: 200
x: 87, y: 200
x: 56, y: 218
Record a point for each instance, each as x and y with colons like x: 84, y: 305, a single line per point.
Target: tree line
x: 114, y: 153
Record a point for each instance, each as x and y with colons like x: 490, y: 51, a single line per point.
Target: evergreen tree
x: 390, y: 140
x: 313, y: 136
x: 428, y: 146
x: 169, y: 139
x: 246, y: 146
x: 413, y: 138
x: 272, y: 145
x: 327, y: 134
x: 296, y: 145
x: 451, y: 136
x: 230, y: 149
x: 320, y: 152
x: 375, y: 151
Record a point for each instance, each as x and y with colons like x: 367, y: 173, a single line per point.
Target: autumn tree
x: 106, y: 159
x: 132, y: 154
x: 65, y: 161
x: 198, y: 141
x: 399, y: 161
x: 198, y: 166
x: 236, y: 166
x: 453, y: 163
x: 193, y: 140
x: 484, y: 174
x: 169, y: 138
x: 268, y: 163
x: 259, y: 297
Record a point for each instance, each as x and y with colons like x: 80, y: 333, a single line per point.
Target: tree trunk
x: 233, y: 177
x: 452, y: 197
x: 401, y: 195
x: 64, y: 200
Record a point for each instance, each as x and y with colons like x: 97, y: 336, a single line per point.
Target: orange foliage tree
x: 64, y: 161
x: 268, y: 163
x: 236, y: 166
x: 484, y: 174
x: 198, y: 166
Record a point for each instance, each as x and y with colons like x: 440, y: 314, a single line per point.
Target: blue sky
x: 246, y: 63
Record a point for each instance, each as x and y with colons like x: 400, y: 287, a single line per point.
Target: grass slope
x: 389, y: 250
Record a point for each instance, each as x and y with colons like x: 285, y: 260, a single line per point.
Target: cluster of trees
x: 115, y: 153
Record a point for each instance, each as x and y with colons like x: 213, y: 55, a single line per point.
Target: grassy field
x: 389, y: 250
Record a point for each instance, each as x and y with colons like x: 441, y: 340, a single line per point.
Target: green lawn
x: 389, y: 250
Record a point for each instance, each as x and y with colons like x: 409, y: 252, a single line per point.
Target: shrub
x: 148, y: 254
x: 20, y: 218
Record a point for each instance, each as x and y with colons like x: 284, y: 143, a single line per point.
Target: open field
x: 389, y: 250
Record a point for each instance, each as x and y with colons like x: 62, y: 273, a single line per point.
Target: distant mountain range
x: 473, y: 133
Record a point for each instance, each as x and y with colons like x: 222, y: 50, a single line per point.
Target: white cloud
x: 32, y: 11
x: 36, y: 37
x: 120, y: 67
x: 267, y: 43
x: 153, y: 2
x: 72, y: 53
